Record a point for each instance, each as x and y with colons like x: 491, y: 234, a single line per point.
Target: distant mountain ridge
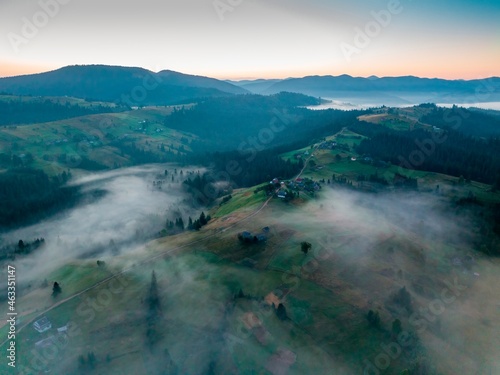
x: 138, y: 86
x: 132, y: 86
x: 397, y: 89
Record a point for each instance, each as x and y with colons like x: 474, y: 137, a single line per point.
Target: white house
x: 42, y: 325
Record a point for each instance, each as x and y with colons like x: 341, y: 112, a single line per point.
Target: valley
x: 252, y: 234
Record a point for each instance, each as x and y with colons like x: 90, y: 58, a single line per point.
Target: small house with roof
x: 42, y: 325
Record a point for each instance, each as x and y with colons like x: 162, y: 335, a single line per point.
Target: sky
x: 248, y: 39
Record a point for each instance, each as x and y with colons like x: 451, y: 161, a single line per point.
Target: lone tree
x: 56, y: 289
x: 154, y: 313
x: 305, y: 247
x: 396, y: 327
x: 154, y: 306
x: 203, y: 219
x: 403, y: 299
x: 281, y: 312
x: 373, y: 318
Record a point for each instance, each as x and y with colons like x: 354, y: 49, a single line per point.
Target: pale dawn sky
x: 238, y: 39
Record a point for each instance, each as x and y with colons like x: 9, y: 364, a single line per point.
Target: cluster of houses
x: 43, y: 325
x: 327, y: 145
x: 299, y: 184
x: 56, y: 142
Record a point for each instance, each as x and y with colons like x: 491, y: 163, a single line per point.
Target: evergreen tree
x: 203, y: 219
x: 154, y: 306
x: 373, y: 318
x: 196, y: 225
x: 305, y: 247
x: 281, y: 312
x: 396, y: 327
x: 56, y: 289
x: 154, y: 312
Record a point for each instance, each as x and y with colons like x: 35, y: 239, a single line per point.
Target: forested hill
x: 460, y: 155
x: 238, y: 122
x: 19, y: 111
x: 472, y: 122
x: 128, y: 85
x: 28, y: 194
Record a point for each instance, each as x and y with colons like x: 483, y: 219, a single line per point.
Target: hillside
x: 120, y: 137
x: 254, y: 122
x: 241, y: 293
x: 219, y: 297
x: 94, y: 142
x: 20, y: 110
x: 129, y: 86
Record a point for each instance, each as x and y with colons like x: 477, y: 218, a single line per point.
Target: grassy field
x: 90, y: 137
x: 348, y: 164
x: 400, y: 119
x: 242, y: 199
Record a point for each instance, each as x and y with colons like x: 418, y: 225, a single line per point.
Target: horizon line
x: 252, y: 78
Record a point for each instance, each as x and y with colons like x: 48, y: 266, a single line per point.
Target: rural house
x: 42, y: 325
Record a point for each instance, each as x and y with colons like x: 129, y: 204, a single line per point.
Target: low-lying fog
x: 374, y: 244
x: 367, y: 247
x: 119, y: 210
x: 350, y: 103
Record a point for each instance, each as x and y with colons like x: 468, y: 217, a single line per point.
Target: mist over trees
x: 28, y: 194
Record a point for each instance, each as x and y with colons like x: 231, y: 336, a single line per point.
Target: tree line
x: 28, y: 194
x: 459, y: 155
x: 237, y: 170
x: 22, y: 111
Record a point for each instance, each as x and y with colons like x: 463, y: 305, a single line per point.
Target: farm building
x: 245, y: 236
x: 282, y: 194
x: 250, y: 238
x: 62, y: 329
x: 42, y: 325
x: 260, y: 238
x: 281, y: 361
x: 45, y: 343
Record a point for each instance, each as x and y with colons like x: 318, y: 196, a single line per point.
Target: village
x: 43, y: 325
x: 288, y: 190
